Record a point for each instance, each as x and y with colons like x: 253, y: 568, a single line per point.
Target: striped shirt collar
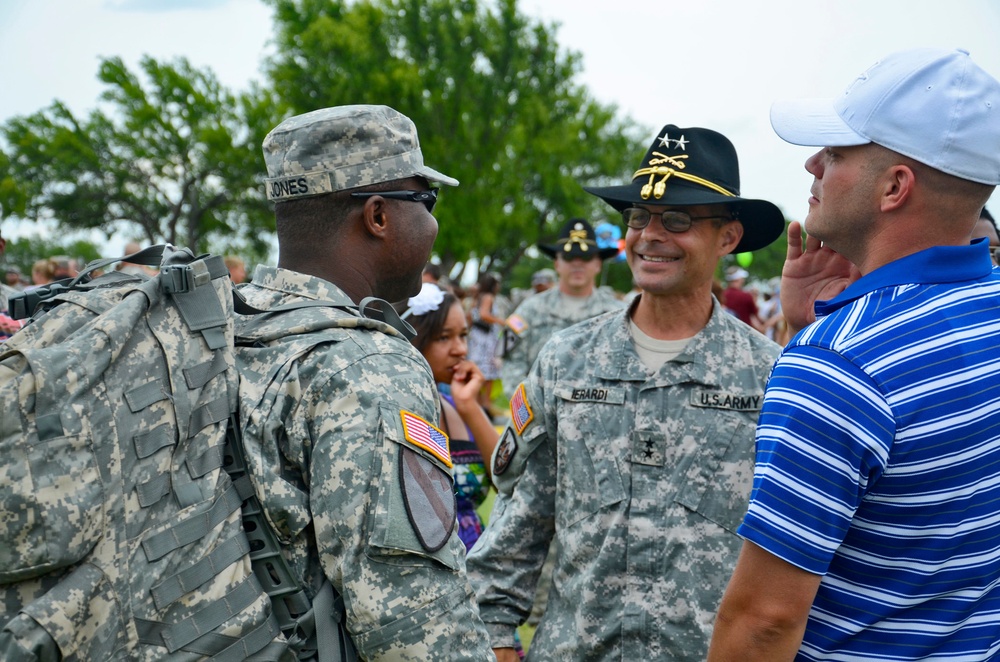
x: 940, y: 264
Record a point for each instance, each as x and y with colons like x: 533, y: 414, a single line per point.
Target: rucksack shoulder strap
x: 384, y: 312
x: 370, y: 308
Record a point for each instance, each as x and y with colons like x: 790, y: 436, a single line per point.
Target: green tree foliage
x: 12, y: 196
x: 494, y: 99
x: 177, y: 160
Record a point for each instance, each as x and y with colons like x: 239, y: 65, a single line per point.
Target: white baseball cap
x: 934, y: 105
x: 737, y: 274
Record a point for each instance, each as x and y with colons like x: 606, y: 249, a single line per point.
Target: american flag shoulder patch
x: 520, y: 410
x: 517, y: 324
x: 427, y: 436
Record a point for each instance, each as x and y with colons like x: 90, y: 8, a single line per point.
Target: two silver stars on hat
x: 680, y: 143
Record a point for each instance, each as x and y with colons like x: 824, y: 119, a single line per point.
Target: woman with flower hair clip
x: 442, y: 337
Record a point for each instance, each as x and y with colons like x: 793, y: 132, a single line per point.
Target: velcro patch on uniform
x: 648, y: 447
x: 421, y: 433
x: 429, y: 499
x: 723, y: 400
x: 520, y: 410
x: 517, y: 324
x: 504, y: 453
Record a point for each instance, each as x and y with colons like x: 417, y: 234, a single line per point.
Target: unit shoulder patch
x: 504, y: 453
x: 429, y: 499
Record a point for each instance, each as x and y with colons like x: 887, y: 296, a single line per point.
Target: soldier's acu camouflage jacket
x: 641, y: 479
x: 544, y: 314
x: 323, y: 432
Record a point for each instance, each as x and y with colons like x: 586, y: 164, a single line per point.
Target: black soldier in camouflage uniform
x: 338, y: 422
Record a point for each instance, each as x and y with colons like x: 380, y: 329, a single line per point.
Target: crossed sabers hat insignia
x: 676, y: 165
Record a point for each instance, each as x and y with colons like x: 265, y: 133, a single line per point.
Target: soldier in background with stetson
x: 578, y: 261
x: 631, y: 440
x: 338, y: 422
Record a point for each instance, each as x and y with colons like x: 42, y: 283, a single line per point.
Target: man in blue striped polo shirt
x: 873, y: 530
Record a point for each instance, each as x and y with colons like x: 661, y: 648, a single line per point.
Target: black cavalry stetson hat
x: 577, y: 239
x: 696, y: 166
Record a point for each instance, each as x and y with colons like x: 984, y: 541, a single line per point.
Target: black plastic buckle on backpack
x: 182, y: 278
x: 22, y: 306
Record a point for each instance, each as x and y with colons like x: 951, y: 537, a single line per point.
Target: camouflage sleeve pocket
x: 50, y: 489
x: 413, y: 516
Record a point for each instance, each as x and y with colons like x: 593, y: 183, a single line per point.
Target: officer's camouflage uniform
x: 545, y: 313
x: 322, y: 424
x: 642, y: 479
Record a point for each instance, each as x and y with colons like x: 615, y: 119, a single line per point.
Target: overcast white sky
x: 713, y: 63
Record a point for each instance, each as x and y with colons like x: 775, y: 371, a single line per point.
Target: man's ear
x: 897, y: 187
x: 375, y: 215
x: 730, y: 236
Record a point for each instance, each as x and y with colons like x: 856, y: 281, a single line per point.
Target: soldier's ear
x: 730, y: 236
x: 375, y: 216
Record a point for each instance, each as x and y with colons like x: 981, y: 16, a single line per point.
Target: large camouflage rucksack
x: 121, y: 532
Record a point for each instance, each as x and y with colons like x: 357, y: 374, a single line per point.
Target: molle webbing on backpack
x: 124, y: 538
x: 288, y: 599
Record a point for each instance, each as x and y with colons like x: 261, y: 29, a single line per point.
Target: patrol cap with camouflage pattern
x: 340, y: 148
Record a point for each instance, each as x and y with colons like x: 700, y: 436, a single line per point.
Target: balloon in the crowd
x: 744, y: 259
x: 609, y: 235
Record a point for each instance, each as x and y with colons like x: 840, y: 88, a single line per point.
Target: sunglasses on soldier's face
x: 428, y: 197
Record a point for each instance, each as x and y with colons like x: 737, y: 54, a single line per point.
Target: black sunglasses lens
x: 429, y: 199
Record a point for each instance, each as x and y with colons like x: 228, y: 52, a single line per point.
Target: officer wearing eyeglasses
x: 337, y: 406
x: 631, y: 440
